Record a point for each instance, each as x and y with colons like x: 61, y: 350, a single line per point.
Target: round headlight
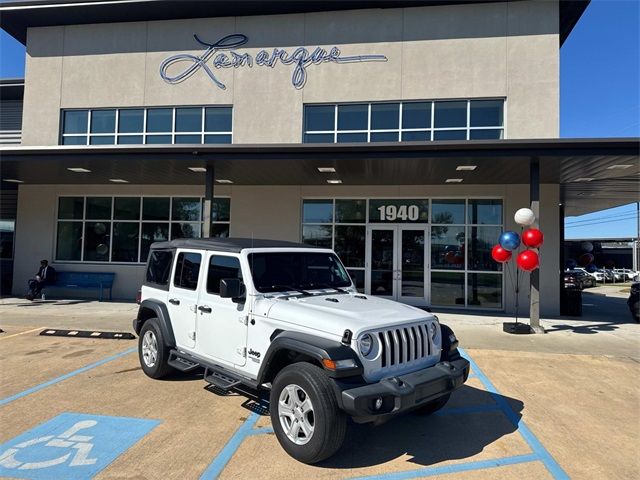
x: 366, y: 344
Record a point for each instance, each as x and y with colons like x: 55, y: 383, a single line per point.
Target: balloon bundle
x: 585, y: 259
x: 509, y: 242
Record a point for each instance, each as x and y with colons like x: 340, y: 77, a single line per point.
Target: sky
x: 599, y: 93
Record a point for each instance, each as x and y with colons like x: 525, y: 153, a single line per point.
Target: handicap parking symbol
x: 71, y: 446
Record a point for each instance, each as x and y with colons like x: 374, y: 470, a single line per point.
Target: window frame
x: 400, y: 130
x: 141, y: 261
x: 144, y: 133
x: 467, y: 226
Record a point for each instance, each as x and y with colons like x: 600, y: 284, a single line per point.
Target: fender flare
x: 161, y: 313
x: 318, y: 348
x: 449, y: 352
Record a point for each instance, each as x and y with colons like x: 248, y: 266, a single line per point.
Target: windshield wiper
x: 289, y: 288
x: 324, y: 285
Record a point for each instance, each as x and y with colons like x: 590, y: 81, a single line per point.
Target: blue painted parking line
x: 544, y: 456
x: 73, y: 446
x: 218, y: 464
x: 539, y: 453
x: 86, y: 368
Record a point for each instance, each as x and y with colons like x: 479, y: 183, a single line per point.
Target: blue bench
x: 98, y: 280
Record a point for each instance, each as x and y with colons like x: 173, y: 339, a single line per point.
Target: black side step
x: 181, y: 363
x: 220, y: 380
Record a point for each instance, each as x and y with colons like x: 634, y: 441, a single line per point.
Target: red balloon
x: 528, y: 260
x: 585, y: 259
x: 532, y: 238
x: 500, y: 255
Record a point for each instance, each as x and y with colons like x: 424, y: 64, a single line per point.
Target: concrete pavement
x: 536, y: 406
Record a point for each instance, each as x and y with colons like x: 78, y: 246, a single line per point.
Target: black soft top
x: 235, y: 245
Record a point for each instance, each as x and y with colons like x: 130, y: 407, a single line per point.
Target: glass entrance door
x: 397, y: 263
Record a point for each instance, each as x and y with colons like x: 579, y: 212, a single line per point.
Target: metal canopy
x: 592, y: 172
x: 18, y: 15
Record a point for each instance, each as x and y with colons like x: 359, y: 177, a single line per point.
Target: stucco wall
x: 507, y: 50
x: 279, y: 217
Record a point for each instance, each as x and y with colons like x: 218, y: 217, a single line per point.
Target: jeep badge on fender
x: 320, y: 351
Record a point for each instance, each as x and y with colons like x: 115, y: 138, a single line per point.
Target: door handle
x: 174, y: 301
x: 204, y: 309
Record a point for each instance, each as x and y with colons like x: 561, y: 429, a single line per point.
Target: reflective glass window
x: 103, y: 121
x: 319, y: 118
x: 385, y: 116
x: 131, y: 121
x: 353, y: 117
x: 75, y: 121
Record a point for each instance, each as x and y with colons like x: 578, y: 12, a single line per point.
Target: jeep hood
x: 336, y: 312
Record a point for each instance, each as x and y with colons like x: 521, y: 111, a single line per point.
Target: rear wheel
x: 152, y: 350
x: 305, y: 415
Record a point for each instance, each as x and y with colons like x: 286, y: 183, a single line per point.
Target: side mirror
x: 231, y: 288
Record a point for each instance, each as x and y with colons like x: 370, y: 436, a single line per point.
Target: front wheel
x: 305, y: 415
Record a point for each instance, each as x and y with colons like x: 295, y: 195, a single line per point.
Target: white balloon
x: 525, y: 217
x: 587, y: 247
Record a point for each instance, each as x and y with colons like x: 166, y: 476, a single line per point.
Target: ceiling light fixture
x: 466, y: 168
x: 326, y: 170
x: 79, y: 170
x: 198, y: 169
x: 584, y: 179
x: 223, y: 180
x: 453, y: 180
x: 619, y: 167
x: 12, y: 180
x: 334, y: 182
x: 118, y: 180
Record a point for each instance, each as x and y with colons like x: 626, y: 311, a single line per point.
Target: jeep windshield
x: 297, y: 271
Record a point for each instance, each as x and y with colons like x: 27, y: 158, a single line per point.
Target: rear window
x: 187, y: 270
x: 159, y: 267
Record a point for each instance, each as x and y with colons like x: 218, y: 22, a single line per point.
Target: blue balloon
x: 509, y: 240
x: 571, y: 264
x: 591, y: 268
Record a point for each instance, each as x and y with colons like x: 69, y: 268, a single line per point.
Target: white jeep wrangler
x: 285, y: 318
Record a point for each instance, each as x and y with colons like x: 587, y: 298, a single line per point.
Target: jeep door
x: 183, y: 296
x: 222, y: 322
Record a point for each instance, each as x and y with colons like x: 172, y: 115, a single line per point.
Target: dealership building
x: 402, y: 134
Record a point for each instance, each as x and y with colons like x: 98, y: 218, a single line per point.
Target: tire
x: 294, y: 385
x: 151, y: 334
x: 433, y: 406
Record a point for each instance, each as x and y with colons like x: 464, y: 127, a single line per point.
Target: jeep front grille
x: 406, y: 344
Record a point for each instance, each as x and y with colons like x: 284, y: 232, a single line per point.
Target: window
x: 462, y: 270
x: 404, y: 121
x: 346, y: 235
x: 159, y: 267
x: 187, y: 270
x: 164, y: 125
x: 463, y: 231
x: 222, y: 267
x: 122, y: 229
x: 273, y: 272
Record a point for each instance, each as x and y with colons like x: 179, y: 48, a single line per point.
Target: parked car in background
x: 592, y: 275
x: 580, y: 278
x: 613, y: 276
x: 625, y: 274
x: 634, y: 301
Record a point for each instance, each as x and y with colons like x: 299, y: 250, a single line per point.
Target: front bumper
x: 405, y: 392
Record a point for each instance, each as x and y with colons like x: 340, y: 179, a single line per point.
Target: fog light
x: 378, y: 403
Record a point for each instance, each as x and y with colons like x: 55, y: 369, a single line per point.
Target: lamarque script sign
x: 222, y: 54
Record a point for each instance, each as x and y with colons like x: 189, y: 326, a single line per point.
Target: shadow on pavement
x: 427, y: 440
x: 38, y: 303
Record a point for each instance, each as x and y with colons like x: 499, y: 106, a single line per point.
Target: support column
x: 208, y: 201
x: 534, y: 288
x: 563, y: 259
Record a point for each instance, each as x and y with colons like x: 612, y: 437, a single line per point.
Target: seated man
x: 46, y: 276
